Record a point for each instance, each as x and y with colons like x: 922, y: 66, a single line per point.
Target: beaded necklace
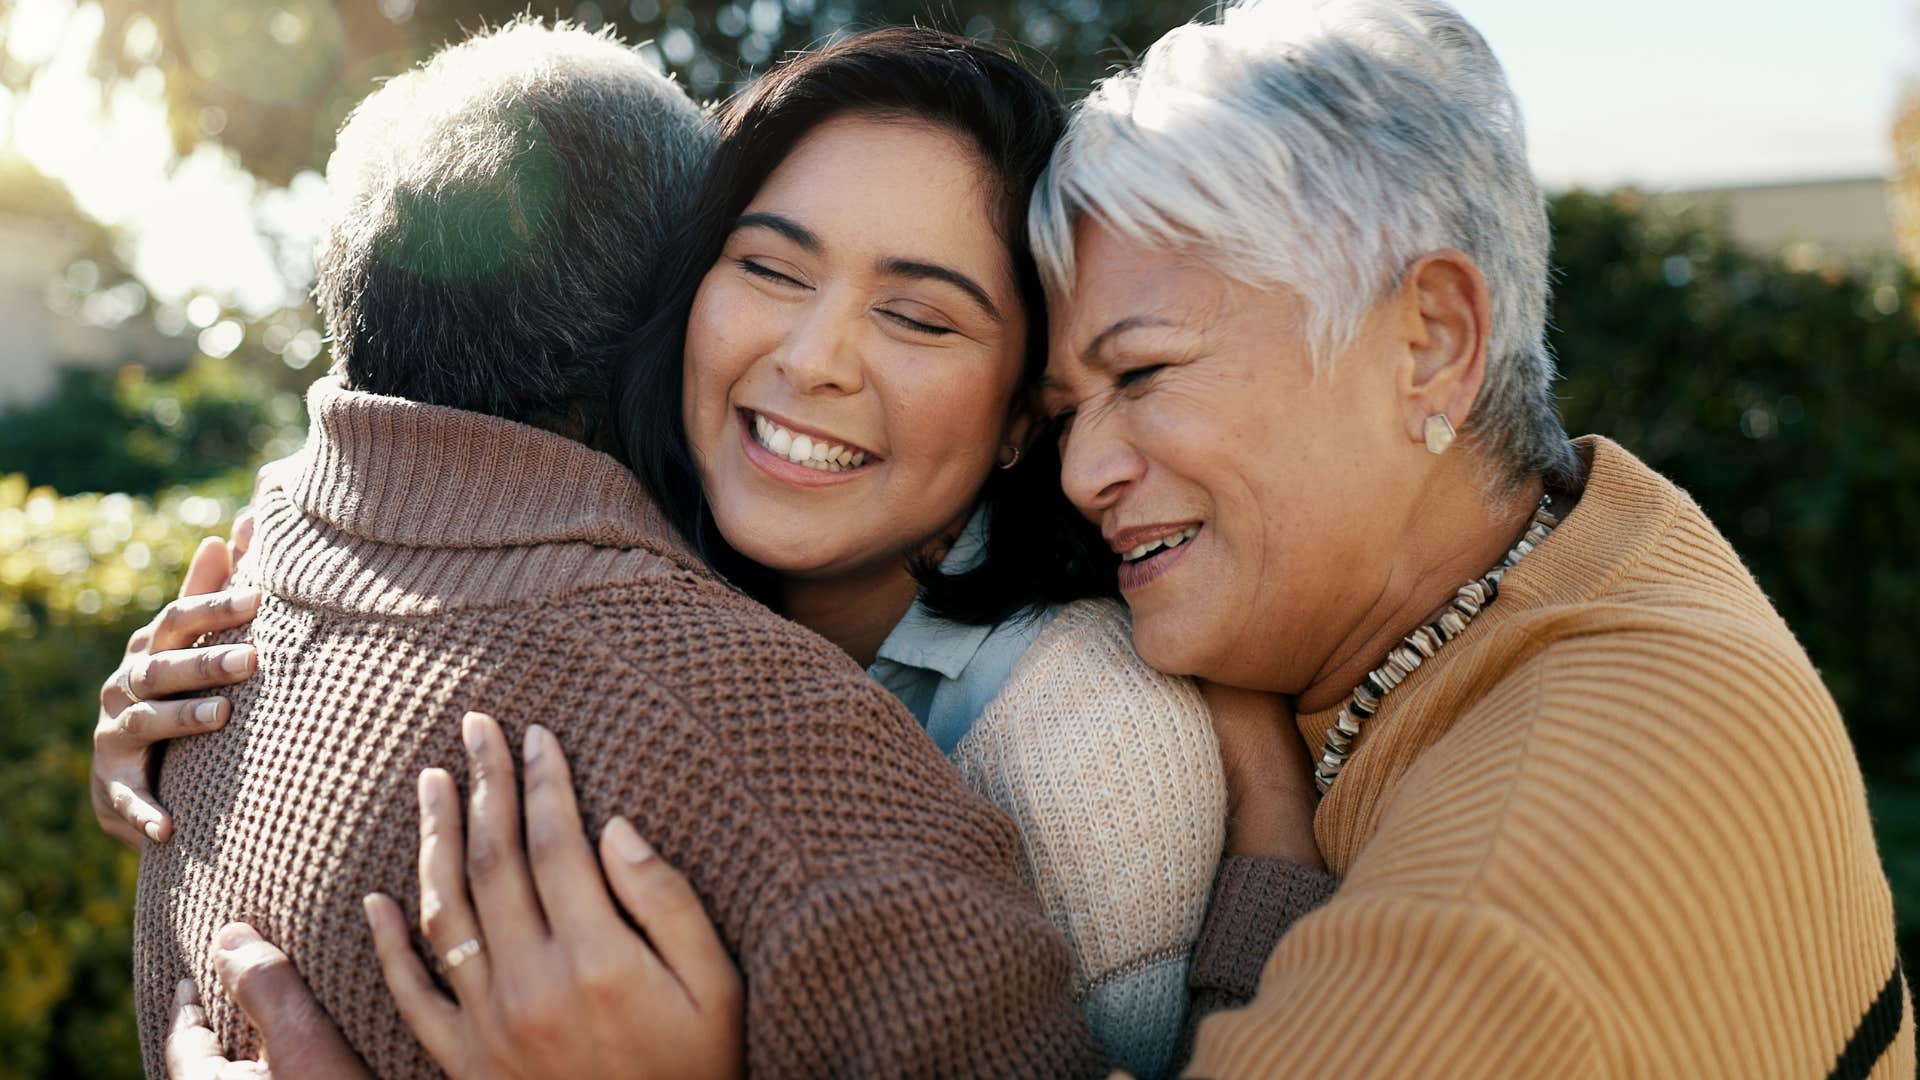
x: 1420, y: 646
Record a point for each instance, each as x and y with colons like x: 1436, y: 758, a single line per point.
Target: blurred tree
x: 274, y: 81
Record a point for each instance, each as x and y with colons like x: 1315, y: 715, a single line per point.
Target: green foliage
x: 77, y: 574
x: 124, y: 431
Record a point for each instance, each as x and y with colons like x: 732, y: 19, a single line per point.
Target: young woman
x: 837, y: 413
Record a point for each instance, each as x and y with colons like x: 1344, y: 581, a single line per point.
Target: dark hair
x: 498, y: 215
x: 1038, y: 548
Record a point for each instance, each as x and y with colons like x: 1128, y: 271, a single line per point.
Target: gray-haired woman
x: 1594, y: 811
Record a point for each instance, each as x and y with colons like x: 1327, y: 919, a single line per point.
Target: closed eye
x: 1136, y: 376
x: 916, y: 325
x: 766, y: 273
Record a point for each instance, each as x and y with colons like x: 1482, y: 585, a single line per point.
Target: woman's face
x: 852, y: 357
x: 1254, y: 505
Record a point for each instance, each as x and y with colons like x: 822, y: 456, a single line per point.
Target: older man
x: 445, y: 542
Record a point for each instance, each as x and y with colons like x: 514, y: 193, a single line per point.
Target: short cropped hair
x: 496, y: 218
x: 1326, y: 147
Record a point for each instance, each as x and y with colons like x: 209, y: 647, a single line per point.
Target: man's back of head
x: 496, y: 216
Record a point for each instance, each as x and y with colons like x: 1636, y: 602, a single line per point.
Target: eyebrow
x: 1126, y: 325
x: 783, y: 225
x: 908, y: 268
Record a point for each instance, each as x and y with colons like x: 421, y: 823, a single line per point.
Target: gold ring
x: 125, y: 679
x: 459, y: 954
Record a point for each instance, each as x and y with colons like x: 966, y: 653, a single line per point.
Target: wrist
x: 1274, y: 822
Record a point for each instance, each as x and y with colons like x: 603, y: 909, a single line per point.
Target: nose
x: 1097, y: 463
x: 820, y: 354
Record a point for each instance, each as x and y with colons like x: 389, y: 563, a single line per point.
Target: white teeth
x: 804, y: 449
x: 1151, y: 546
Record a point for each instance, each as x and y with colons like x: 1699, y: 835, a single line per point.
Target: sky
x: 1687, y: 93
x: 1660, y: 93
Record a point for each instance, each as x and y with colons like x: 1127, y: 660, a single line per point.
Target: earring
x: 1009, y: 456
x: 1439, y: 433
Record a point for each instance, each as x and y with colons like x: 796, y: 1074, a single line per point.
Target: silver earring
x: 1007, y: 462
x: 1439, y: 433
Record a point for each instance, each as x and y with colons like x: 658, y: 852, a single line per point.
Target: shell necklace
x: 1420, y: 646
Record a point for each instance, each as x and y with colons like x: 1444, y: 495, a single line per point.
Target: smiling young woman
x: 846, y: 426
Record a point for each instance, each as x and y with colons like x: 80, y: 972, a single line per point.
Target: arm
x: 1402, y: 985
x: 1112, y: 770
x: 142, y: 704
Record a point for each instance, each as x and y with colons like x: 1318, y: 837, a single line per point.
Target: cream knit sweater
x: 1112, y: 773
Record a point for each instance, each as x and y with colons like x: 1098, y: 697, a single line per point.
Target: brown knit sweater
x: 1614, y: 829
x: 420, y: 562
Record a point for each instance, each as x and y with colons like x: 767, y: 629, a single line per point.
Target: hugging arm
x: 146, y: 700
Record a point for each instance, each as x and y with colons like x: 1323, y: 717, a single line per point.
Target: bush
x: 125, y: 431
x: 77, y: 574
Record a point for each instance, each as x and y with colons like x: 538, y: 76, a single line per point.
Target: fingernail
x: 470, y: 730
x: 536, y: 743
x: 153, y: 831
x: 429, y: 790
x: 235, y: 936
x: 249, y: 601
x: 207, y: 713
x: 183, y: 992
x: 366, y: 906
x: 626, y: 841
x: 236, y: 660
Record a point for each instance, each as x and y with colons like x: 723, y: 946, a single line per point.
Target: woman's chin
x: 1165, y: 646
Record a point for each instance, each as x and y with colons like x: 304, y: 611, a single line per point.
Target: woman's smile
x: 800, y: 456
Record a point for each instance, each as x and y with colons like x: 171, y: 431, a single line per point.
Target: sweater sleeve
x: 1256, y: 900
x: 915, y: 972
x: 1112, y: 772
x: 1396, y: 985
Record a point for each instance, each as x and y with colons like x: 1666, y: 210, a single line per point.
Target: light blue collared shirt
x: 946, y: 672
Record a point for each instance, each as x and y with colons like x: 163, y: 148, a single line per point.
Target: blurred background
x: 1735, y: 196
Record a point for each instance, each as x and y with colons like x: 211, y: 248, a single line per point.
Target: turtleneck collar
x: 399, y: 472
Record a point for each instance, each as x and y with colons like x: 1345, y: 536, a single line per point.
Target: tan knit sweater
x: 420, y: 562
x: 1112, y: 773
x: 1614, y: 829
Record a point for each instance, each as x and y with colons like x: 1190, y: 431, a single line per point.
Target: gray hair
x: 496, y: 217
x: 1326, y: 146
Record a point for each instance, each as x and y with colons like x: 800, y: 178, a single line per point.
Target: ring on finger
x: 458, y: 955
x: 125, y: 680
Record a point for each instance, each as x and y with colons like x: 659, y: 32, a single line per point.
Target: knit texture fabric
x: 1615, y: 828
x: 1112, y: 773
x: 420, y: 562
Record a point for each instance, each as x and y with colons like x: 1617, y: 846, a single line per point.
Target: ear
x: 1023, y: 421
x: 1448, y: 321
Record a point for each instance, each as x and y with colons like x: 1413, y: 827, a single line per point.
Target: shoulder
x: 1112, y: 771
x: 1082, y: 689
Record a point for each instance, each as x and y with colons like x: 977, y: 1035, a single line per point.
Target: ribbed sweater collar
x: 398, y: 472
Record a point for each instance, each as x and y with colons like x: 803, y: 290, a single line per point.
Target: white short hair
x: 1326, y: 145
